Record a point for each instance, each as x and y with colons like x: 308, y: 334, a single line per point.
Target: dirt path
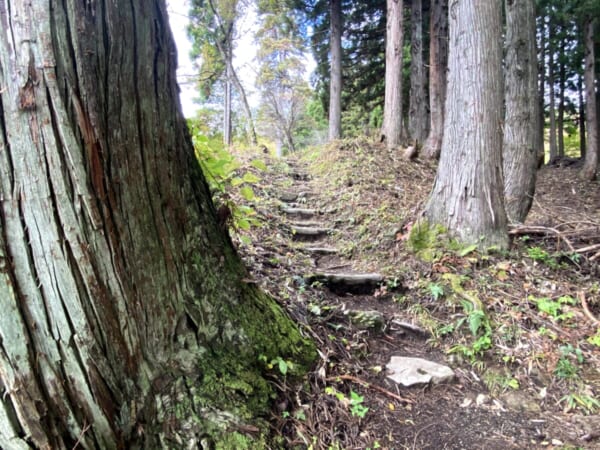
x: 314, y: 256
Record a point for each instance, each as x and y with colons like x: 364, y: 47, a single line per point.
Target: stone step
x: 300, y: 212
x: 320, y: 250
x: 306, y: 224
x: 347, y: 283
x: 308, y: 233
x: 290, y: 197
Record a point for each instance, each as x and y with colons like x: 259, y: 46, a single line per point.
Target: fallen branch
x: 586, y: 308
x: 589, y: 248
x: 371, y: 386
x: 537, y: 229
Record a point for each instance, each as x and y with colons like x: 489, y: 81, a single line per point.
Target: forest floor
x: 520, y: 329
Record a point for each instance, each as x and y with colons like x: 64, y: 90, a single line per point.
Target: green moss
x: 426, y: 240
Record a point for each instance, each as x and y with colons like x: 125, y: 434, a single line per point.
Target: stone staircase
x: 314, y: 230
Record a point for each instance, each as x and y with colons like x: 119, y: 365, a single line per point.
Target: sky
x: 244, y: 55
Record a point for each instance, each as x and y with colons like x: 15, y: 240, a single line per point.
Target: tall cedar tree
x: 394, y: 42
x: 335, y: 84
x: 438, y: 65
x: 521, y: 103
x: 418, y: 117
x: 127, y: 318
x: 590, y: 167
x: 467, y: 196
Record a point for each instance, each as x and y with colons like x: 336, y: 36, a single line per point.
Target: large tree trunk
x: 590, y: 167
x: 127, y: 319
x: 521, y: 103
x: 438, y: 65
x: 467, y: 197
x: 418, y: 119
x: 394, y: 40
x: 335, y: 87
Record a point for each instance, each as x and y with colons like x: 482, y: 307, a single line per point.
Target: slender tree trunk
x: 127, y: 320
x: 581, y: 120
x: 521, y: 103
x: 418, y: 119
x: 552, y: 106
x: 246, y: 105
x: 467, y: 197
x: 560, y: 122
x: 227, y: 126
x: 590, y: 167
x: 541, y: 94
x: 335, y: 88
x: 438, y: 65
x: 394, y: 40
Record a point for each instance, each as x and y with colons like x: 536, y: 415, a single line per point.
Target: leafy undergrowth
x: 520, y: 328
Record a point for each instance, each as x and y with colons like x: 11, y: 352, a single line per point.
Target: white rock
x: 410, y: 371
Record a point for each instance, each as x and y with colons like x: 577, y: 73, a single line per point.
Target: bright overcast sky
x: 243, y: 55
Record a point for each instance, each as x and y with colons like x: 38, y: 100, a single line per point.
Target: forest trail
x: 334, y: 251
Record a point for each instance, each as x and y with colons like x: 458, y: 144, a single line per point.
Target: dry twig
x: 371, y: 386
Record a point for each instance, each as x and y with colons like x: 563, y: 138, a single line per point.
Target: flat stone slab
x: 308, y: 233
x: 306, y: 224
x: 300, y: 212
x: 409, y: 371
x: 320, y: 250
x: 288, y: 196
x: 347, y: 283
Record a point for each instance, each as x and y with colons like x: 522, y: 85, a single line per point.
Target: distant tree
x: 335, y: 86
x: 128, y: 320
x: 284, y: 91
x: 213, y: 34
x: 363, y: 59
x: 418, y: 117
x: 394, y: 42
x: 521, y: 103
x: 438, y: 65
x: 551, y: 82
x: 467, y: 196
x: 590, y: 167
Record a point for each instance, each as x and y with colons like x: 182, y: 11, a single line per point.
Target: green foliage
x: 479, y: 325
x: 424, y: 240
x: 541, y: 255
x: 554, y: 308
x: 586, y: 402
x: 354, y: 402
x: 282, y: 365
x: 595, y: 339
x: 435, y: 290
x: 566, y: 366
x: 356, y: 407
x: 222, y: 172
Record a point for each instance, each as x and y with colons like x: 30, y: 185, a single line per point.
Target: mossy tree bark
x: 467, y: 196
x: 127, y: 321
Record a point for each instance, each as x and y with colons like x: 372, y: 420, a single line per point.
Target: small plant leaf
x: 259, y: 164
x: 251, y: 178
x: 247, y: 193
x: 465, y: 251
